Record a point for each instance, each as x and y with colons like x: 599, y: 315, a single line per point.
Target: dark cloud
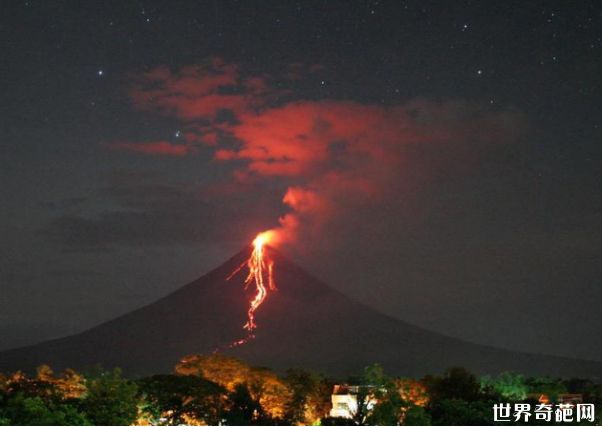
x: 201, y: 91
x: 150, y: 212
x: 63, y: 204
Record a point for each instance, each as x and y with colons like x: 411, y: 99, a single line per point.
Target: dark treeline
x: 222, y: 390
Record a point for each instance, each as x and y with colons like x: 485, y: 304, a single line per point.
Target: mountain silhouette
x: 304, y: 323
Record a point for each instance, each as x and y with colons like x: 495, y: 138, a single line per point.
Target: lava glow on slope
x: 261, y: 275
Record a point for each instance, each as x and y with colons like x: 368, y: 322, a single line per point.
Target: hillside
x: 305, y: 323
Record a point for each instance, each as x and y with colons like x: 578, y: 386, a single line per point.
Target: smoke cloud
x: 337, y: 155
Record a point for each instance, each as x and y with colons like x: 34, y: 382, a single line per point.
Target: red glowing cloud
x: 164, y: 148
x: 197, y: 92
x: 338, y: 154
x: 316, y: 137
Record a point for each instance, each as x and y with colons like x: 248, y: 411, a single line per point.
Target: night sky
x: 442, y: 159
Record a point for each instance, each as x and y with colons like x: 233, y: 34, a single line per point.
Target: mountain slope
x: 304, y: 323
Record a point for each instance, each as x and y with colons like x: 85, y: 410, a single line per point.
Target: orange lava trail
x: 261, y: 275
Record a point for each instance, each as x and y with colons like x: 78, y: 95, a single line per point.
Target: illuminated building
x: 344, y: 399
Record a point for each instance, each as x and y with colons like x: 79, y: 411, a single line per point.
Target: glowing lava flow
x: 261, y: 275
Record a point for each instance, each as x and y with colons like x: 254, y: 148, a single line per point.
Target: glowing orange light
x: 261, y: 269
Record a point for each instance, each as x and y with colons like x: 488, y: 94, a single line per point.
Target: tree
x: 221, y: 369
x: 412, y: 391
x: 382, y: 402
x: 272, y: 393
x: 362, y: 410
x: 243, y: 409
x: 71, y: 384
x: 19, y: 383
x: 458, y: 412
x: 267, y: 388
x: 414, y: 398
x: 456, y: 383
x: 335, y: 421
x: 310, y: 400
x: 593, y: 393
x: 456, y: 399
x: 550, y: 387
x: 22, y: 410
x: 508, y: 385
x: 182, y: 399
x: 38, y: 400
x: 416, y: 416
x: 386, y: 412
x: 111, y: 399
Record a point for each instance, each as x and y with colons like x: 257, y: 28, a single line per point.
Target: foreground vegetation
x: 221, y: 390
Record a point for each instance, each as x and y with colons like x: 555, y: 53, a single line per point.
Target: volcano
x: 304, y: 323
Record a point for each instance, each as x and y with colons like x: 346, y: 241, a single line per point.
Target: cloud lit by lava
x: 336, y: 155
